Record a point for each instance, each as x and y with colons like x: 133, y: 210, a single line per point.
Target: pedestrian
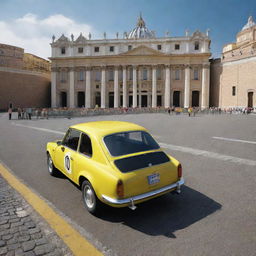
x: 189, y: 111
x: 169, y: 111
x: 10, y: 113
x: 22, y: 113
x: 19, y: 113
x: 29, y: 113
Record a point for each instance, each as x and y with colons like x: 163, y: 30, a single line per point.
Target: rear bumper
x: 134, y: 199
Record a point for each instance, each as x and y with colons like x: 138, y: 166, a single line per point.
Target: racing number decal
x: 67, y: 163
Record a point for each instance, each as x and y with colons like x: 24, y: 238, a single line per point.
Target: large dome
x: 249, y: 24
x: 141, y: 31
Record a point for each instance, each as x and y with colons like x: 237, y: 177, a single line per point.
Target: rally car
x: 115, y: 163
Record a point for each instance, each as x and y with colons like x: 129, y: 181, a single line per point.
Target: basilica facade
x: 135, y: 69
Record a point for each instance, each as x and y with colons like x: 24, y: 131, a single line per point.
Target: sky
x: 30, y: 24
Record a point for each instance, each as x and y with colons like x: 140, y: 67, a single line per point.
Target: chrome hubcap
x: 50, y: 165
x: 88, y: 196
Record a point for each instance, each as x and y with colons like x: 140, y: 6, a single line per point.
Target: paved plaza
x: 214, y: 215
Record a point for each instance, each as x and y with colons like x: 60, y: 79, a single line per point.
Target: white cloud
x: 34, y: 34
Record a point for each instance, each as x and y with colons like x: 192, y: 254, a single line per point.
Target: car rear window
x: 125, y: 143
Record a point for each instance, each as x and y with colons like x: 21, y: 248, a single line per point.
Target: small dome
x: 141, y: 31
x: 250, y: 23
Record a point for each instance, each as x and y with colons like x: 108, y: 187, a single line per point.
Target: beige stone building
x: 135, y: 69
x: 234, y: 78
x: 24, y: 79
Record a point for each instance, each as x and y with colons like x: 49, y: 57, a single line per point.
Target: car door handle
x: 63, y: 149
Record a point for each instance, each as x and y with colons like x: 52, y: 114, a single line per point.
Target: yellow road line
x: 77, y: 243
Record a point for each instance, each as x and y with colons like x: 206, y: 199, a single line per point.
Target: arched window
x: 196, y: 46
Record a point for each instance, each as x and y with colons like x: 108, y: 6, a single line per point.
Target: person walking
x: 19, y: 113
x: 10, y: 113
x: 22, y: 113
x: 29, y: 113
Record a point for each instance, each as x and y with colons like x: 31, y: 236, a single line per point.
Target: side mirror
x: 59, y: 142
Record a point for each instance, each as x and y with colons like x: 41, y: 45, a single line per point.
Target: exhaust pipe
x: 132, y: 206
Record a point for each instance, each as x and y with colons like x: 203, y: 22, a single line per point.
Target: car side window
x: 85, y: 145
x: 71, y: 139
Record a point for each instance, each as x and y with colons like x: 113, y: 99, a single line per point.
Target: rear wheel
x: 91, y: 202
x: 51, y: 168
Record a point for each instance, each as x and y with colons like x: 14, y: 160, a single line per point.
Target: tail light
x: 179, y: 171
x: 120, y: 189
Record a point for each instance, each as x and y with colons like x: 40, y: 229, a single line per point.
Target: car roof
x: 103, y: 128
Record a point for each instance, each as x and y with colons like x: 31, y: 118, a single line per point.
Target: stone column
x: 187, y: 87
x: 103, y: 88
x: 88, y: 103
x: 53, y: 88
x: 134, y: 87
x: 167, y: 90
x: 140, y: 85
x: 154, y: 97
x: 125, y: 96
x: 205, y: 86
x: 116, y: 88
x: 71, y: 88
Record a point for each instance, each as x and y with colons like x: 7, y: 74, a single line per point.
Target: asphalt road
x: 215, y: 213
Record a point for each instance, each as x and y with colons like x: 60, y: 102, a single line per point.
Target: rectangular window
x: 81, y: 76
x: 85, y: 145
x: 233, y: 91
x: 129, y: 47
x: 97, y: 75
x: 130, y: 74
x: 159, y: 47
x: 196, y: 74
x: 71, y: 139
x: 177, y: 74
x: 63, y: 76
x: 145, y: 74
x: 80, y: 49
x: 63, y: 50
x: 158, y: 74
x: 96, y: 49
x: 111, y: 75
x: 177, y: 46
x: 111, y: 48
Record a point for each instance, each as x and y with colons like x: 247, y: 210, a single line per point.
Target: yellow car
x: 115, y: 163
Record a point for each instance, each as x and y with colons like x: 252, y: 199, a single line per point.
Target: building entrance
x: 195, y: 98
x: 250, y: 99
x: 63, y: 99
x: 144, y: 101
x: 176, y: 98
x: 130, y: 101
x: 111, y: 99
x: 159, y: 100
x: 80, y: 99
x: 97, y: 99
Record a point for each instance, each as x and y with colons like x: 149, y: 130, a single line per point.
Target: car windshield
x: 125, y: 143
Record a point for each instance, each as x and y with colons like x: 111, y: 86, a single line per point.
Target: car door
x: 84, y: 156
x: 67, y: 152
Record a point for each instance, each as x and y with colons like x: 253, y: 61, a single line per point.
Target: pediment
x: 142, y: 50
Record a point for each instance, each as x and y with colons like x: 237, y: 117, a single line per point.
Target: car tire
x: 53, y: 171
x: 91, y: 202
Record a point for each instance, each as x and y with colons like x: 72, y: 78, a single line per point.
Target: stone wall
x: 24, y: 89
x: 242, y: 75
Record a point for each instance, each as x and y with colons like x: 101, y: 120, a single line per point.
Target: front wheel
x: 51, y: 168
x: 91, y: 202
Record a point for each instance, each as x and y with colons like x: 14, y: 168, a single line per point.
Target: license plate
x: 153, y: 179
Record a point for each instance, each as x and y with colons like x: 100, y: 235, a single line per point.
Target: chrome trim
x: 145, y: 195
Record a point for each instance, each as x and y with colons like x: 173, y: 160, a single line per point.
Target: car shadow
x: 165, y: 215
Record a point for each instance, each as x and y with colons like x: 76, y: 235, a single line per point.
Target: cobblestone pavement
x: 22, y: 231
